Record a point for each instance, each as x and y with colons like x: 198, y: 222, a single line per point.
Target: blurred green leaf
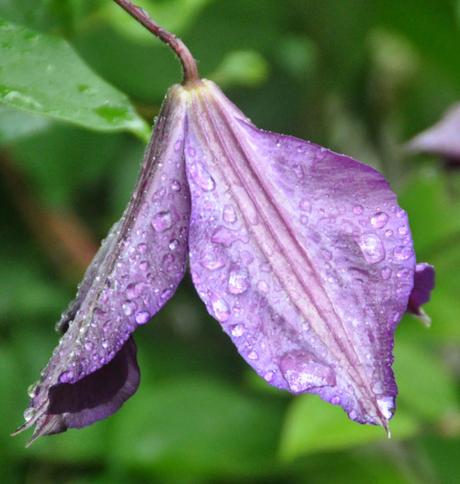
x: 42, y: 74
x: 164, y: 12
x: 197, y: 426
x: 312, y: 425
x: 426, y: 387
x: 241, y: 67
x: 16, y: 124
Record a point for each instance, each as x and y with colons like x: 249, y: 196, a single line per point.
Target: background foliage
x: 79, y: 86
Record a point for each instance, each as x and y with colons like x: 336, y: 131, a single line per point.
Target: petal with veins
x: 302, y: 254
x: 135, y: 272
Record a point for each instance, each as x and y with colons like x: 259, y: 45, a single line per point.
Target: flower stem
x: 189, y: 67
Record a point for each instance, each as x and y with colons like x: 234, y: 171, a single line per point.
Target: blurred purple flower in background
x: 303, y: 256
x: 442, y: 139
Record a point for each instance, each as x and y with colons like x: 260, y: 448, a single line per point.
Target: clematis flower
x: 442, y: 139
x: 302, y: 254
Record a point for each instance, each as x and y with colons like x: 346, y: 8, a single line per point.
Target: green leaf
x: 175, y: 15
x: 42, y: 74
x: 197, y: 426
x: 425, y: 386
x: 312, y: 426
x: 16, y: 124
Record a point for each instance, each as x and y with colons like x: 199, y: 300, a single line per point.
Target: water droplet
x: 388, y: 233
x: 142, y: 248
x: 133, y: 290
x: 220, y: 308
x: 201, y: 177
x: 144, y: 266
x: 386, y: 406
x: 305, y: 205
x: 142, y: 317
x: 379, y: 220
x: 403, y: 230
x: 385, y: 273
x: 229, y: 214
x: 175, y: 186
x: 212, y: 261
x: 262, y: 286
x: 403, y: 273
x: 304, y: 220
x: 128, y: 308
x: 32, y: 390
x: 28, y: 414
x: 268, y: 376
x: 65, y: 377
x: 358, y: 209
x: 88, y: 346
x: 105, y: 344
x: 237, y: 330
x: 372, y: 248
x: 174, y: 244
x: 224, y: 236
x: 402, y: 253
x: 238, y: 281
x: 162, y: 221
x: 335, y: 400
x: 253, y: 355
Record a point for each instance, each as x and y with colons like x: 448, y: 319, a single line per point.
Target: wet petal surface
x: 136, y: 270
x: 303, y: 255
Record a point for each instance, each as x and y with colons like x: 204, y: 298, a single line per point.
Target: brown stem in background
x: 66, y: 240
x: 180, y: 49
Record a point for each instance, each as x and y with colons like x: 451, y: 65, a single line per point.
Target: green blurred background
x: 79, y: 86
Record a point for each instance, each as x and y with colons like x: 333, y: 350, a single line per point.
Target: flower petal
x: 302, y: 254
x: 424, y: 281
x: 443, y: 138
x: 135, y: 272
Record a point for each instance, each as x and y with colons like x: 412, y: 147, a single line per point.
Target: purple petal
x: 303, y: 255
x: 424, y: 281
x: 443, y: 138
x: 135, y: 272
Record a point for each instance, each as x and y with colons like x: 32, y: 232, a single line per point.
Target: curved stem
x: 180, y: 49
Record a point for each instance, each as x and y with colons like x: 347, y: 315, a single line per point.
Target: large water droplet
x: 379, y: 220
x: 201, y: 177
x: 224, y: 236
x: 372, y: 248
x: 162, y: 221
x: 212, y: 261
x: 238, y: 281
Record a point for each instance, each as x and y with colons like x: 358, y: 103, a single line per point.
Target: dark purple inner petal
x: 99, y: 394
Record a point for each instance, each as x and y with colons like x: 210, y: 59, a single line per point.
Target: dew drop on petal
x: 142, y: 317
x: 385, y: 273
x: 229, y: 214
x: 212, y: 261
x: 386, y: 406
x: 65, y: 377
x: 372, y: 248
x: 268, y: 376
x: 175, y: 186
x: 220, y: 308
x: 403, y: 230
x: 305, y: 205
x: 379, y: 220
x: 402, y: 252
x: 238, y: 281
x: 128, y: 308
x: 201, y: 177
x: 162, y: 221
x: 237, y: 330
x: 388, y: 233
x: 173, y: 244
x: 252, y: 355
x: 358, y: 209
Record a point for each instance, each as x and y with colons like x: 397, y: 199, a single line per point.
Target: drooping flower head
x: 302, y: 255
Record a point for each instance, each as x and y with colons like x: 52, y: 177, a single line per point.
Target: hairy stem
x: 180, y: 49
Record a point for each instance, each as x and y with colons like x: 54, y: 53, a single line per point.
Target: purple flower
x: 303, y: 256
x: 442, y: 139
